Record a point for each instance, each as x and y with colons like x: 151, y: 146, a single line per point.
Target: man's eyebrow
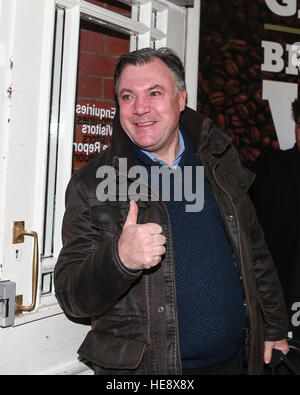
x: 157, y: 86
x: 151, y: 88
x: 125, y: 90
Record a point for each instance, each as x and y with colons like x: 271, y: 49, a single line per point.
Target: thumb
x: 268, y: 351
x: 132, y: 214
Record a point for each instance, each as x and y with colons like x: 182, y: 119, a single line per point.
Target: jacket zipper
x: 248, y: 306
x: 177, y: 345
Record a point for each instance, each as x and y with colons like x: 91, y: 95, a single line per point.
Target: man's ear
x: 182, y: 99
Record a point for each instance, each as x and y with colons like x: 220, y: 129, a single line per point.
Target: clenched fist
x: 140, y: 246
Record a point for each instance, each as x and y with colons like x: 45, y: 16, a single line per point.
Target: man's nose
x: 141, y: 105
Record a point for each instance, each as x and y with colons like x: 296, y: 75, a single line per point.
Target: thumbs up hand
x: 140, y: 246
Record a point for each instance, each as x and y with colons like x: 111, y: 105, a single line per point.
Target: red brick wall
x: 99, y: 49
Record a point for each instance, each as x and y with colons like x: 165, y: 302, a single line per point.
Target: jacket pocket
x: 107, y: 217
x: 111, y: 216
x: 112, y: 352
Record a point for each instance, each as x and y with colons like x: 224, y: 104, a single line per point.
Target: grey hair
x: 146, y: 55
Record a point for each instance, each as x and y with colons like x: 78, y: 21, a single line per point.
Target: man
x: 276, y: 196
x: 167, y: 291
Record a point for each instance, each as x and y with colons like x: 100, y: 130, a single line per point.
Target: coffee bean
x: 260, y: 118
x: 204, y: 85
x: 241, y: 98
x: 255, y: 135
x: 240, y: 60
x: 253, y: 74
x: 266, y: 141
x: 251, y: 107
x: 230, y: 111
x: 221, y: 122
x: 231, y: 67
x: 236, y: 122
x: 217, y: 98
x: 217, y: 82
x: 239, y: 45
x: 232, y: 87
x: 242, y: 111
x: 253, y: 153
x: 240, y: 131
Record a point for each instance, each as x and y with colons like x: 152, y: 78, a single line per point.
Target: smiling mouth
x: 144, y: 124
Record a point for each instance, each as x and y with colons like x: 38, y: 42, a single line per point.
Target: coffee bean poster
x: 248, y: 71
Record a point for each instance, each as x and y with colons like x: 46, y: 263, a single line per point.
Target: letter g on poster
x: 288, y: 8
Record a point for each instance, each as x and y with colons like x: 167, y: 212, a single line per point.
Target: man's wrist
x: 119, y: 259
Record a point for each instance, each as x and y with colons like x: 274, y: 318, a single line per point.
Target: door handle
x: 18, y: 237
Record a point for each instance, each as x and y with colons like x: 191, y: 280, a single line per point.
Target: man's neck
x: 172, y: 157
x: 169, y: 156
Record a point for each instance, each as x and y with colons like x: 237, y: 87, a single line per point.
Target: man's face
x: 297, y: 131
x: 149, y: 106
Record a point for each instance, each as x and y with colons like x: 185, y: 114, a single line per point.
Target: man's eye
x: 154, y: 93
x: 126, y: 97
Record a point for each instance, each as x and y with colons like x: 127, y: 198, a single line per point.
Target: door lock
x: 7, y: 303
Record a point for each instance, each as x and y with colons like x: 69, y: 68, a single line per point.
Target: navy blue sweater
x: 210, y: 301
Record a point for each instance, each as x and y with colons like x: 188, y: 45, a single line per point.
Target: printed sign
x: 93, y: 130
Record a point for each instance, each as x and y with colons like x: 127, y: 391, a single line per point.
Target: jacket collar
x: 204, y: 134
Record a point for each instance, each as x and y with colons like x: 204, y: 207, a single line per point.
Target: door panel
x: 45, y: 346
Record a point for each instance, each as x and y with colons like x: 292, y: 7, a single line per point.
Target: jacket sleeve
x: 270, y: 295
x: 89, y: 277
